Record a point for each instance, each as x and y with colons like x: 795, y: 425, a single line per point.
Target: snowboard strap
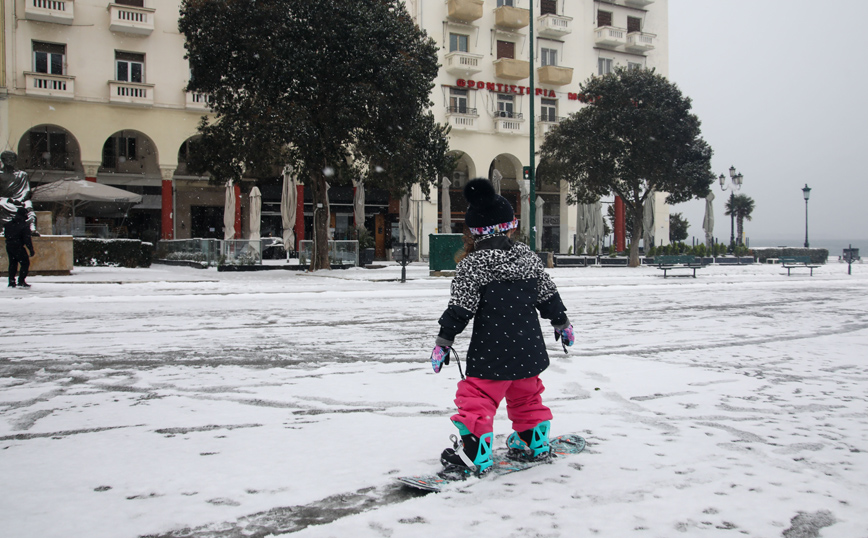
x: 459, y: 449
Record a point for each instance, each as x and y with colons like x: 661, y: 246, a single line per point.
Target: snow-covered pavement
x: 177, y: 402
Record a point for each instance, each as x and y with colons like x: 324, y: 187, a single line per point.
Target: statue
x: 14, y: 191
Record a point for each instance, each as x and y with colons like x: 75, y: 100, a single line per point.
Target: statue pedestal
x: 53, y: 255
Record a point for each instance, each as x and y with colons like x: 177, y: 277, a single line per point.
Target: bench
x: 668, y: 263
x: 797, y: 262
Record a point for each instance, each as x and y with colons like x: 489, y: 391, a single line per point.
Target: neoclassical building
x: 96, y: 89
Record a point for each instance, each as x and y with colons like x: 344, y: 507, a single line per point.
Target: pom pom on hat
x: 487, y: 208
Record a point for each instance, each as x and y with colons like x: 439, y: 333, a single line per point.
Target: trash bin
x: 442, y: 249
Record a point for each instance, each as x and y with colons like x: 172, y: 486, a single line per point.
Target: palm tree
x: 743, y: 208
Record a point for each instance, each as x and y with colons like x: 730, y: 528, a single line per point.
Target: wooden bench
x: 668, y: 263
x: 797, y: 262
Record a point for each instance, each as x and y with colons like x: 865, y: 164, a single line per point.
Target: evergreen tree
x: 336, y: 89
x: 678, y: 226
x: 635, y: 136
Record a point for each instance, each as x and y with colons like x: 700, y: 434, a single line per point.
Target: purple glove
x: 439, y: 357
x: 566, y: 336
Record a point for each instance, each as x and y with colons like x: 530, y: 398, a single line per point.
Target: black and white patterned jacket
x: 501, y: 285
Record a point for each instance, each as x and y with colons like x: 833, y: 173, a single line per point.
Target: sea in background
x: 835, y: 246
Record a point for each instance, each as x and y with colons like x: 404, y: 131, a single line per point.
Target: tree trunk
x: 739, y: 220
x: 320, y: 252
x: 638, y: 221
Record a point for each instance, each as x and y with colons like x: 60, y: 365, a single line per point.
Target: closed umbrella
x: 229, y: 212
x: 524, y: 188
x: 496, y: 177
x: 405, y: 223
x: 595, y: 233
x: 538, y: 225
x: 288, y: 200
x: 359, y: 202
x: 582, y: 222
x: 708, y: 220
x: 446, y: 206
x: 255, y: 213
x: 648, y: 223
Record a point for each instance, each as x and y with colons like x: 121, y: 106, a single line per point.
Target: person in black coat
x: 501, y: 284
x: 17, y: 233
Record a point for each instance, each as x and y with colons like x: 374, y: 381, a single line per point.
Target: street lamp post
x: 807, y: 193
x: 737, y: 180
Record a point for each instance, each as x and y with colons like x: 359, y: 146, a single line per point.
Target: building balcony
x: 462, y: 118
x: 45, y: 85
x: 465, y: 10
x: 198, y: 101
x: 462, y: 63
x: 131, y: 20
x: 546, y: 124
x: 638, y: 3
x: 640, y: 41
x: 508, y: 123
x: 610, y: 36
x: 131, y: 93
x: 511, y: 69
x: 551, y: 25
x: 56, y: 11
x: 554, y: 75
x: 511, y: 18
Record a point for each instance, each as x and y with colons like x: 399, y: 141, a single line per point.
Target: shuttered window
x: 634, y: 24
x: 547, y: 7
x: 505, y: 49
x: 604, y: 18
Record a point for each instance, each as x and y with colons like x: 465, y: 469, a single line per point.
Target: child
x: 501, y: 284
x: 17, y: 233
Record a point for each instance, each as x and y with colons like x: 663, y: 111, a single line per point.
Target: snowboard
x: 561, y: 446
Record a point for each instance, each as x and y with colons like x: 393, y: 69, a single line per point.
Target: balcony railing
x: 551, y: 25
x: 198, y: 101
x: 640, y: 41
x: 463, y: 110
x: 131, y: 93
x: 508, y: 123
x: 511, y: 18
x: 511, y: 69
x: 462, y: 63
x: 554, y: 75
x: 610, y: 36
x: 45, y: 85
x: 546, y: 123
x: 56, y: 11
x: 131, y: 20
x: 461, y: 117
x: 465, y: 10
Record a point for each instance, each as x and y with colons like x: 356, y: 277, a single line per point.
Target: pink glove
x: 439, y: 357
x: 566, y: 336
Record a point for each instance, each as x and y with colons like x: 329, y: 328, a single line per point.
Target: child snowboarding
x: 17, y: 233
x: 501, y: 284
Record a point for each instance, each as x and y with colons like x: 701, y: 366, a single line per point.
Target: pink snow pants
x: 478, y: 399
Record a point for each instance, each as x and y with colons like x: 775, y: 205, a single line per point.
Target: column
x: 167, y: 205
x: 90, y: 169
x: 620, y: 225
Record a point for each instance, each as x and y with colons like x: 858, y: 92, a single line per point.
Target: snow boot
x: 22, y: 283
x: 11, y: 282
x: 530, y: 444
x: 470, y: 454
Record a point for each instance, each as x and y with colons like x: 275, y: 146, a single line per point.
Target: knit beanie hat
x: 488, y: 213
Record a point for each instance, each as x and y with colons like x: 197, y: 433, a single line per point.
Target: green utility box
x: 443, y: 248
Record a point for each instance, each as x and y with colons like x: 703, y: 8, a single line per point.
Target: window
x: 130, y: 67
x: 118, y: 149
x: 549, y: 57
x: 549, y: 110
x: 505, y: 105
x: 48, y: 58
x: 134, y: 3
x: 501, y: 3
x: 604, y: 18
x: 604, y: 66
x: 632, y: 66
x: 505, y: 49
x: 634, y: 24
x: 547, y: 7
x: 457, y: 43
x: 48, y: 150
x: 458, y: 101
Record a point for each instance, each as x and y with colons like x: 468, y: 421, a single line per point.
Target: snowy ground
x: 178, y: 402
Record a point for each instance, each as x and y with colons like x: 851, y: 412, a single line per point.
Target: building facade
x: 96, y: 89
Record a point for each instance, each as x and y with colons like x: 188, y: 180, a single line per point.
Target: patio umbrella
x: 446, y: 206
x: 648, y: 223
x: 582, y: 223
x: 288, y: 200
x: 405, y: 226
x: 524, y: 188
x: 359, y: 202
x: 255, y: 213
x: 708, y: 220
x: 496, y: 177
x: 96, y: 198
x: 229, y: 212
x: 538, y: 225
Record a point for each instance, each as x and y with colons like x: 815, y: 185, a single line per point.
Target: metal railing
x: 340, y: 252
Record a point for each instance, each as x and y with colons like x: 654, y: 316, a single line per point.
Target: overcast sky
x: 781, y: 88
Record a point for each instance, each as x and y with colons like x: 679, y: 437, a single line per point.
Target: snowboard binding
x: 530, y: 445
